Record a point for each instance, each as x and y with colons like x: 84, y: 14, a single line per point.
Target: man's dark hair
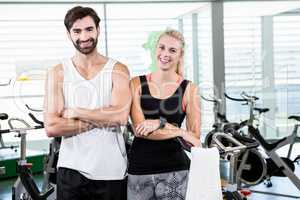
x: 80, y: 12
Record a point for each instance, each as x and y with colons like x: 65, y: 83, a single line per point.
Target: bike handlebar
x: 295, y: 117
x: 33, y: 109
x: 248, y: 97
x: 36, y: 120
x: 234, y: 99
x: 217, y: 137
x: 211, y: 100
x: 26, y: 128
x: 245, y: 97
x: 5, y: 84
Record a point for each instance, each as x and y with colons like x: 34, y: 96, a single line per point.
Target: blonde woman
x: 158, y: 166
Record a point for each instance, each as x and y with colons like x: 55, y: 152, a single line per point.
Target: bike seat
x: 3, y: 116
x: 222, y: 117
x: 268, y: 146
x: 262, y: 110
x: 249, y: 142
x: 294, y: 117
x: 274, y: 144
x: 231, y: 127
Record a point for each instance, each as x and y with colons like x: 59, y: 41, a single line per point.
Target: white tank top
x: 98, y: 154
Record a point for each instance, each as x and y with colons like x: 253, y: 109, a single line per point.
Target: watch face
x: 163, y: 122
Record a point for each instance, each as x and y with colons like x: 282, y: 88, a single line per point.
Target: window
x: 261, y: 57
x: 33, y: 41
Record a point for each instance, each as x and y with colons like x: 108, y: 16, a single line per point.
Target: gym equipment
x: 254, y: 169
x: 4, y: 116
x: 249, y: 156
x: 231, y: 154
x: 50, y: 161
x: 6, y: 84
x: 274, y: 165
x: 25, y: 188
x: 33, y: 109
x: 221, y: 123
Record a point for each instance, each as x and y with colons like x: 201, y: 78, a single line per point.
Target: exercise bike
x: 50, y: 161
x: 247, y: 157
x: 4, y: 116
x: 231, y: 154
x: 221, y: 123
x: 25, y: 188
x: 274, y: 165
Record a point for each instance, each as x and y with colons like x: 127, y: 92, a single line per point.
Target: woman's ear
x: 182, y: 53
x: 180, y: 66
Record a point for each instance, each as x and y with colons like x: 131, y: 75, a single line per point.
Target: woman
x: 158, y: 166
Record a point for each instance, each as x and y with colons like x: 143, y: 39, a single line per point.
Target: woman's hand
x: 147, y: 127
x: 187, y: 136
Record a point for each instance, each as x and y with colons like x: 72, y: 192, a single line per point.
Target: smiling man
x: 85, y: 105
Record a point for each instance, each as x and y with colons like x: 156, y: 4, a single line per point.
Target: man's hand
x: 147, y: 127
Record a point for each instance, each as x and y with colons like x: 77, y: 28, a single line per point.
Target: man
x: 86, y: 98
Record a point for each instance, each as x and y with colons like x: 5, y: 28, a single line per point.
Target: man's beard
x: 86, y: 50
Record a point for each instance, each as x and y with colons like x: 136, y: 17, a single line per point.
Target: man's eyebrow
x: 76, y: 29
x: 90, y: 27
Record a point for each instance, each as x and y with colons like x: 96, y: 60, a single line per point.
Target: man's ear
x: 69, y: 35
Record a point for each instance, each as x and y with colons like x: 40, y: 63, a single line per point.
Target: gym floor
x: 280, y: 184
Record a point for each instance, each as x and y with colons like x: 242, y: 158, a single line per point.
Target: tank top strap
x: 183, y: 86
x: 109, y: 65
x: 144, y: 85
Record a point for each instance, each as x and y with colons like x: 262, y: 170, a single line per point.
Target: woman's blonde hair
x: 179, y: 36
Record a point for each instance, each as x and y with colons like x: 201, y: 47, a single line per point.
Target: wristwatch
x: 162, y: 122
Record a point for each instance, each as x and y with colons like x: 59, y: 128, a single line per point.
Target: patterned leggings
x: 164, y: 186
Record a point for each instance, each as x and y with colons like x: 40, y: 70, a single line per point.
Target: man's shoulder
x: 56, y: 71
x: 57, y: 67
x: 120, y: 67
x: 135, y: 79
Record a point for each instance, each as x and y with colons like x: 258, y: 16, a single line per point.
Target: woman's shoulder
x: 188, y: 83
x: 191, y: 87
x: 137, y: 79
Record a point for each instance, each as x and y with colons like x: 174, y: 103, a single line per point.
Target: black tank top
x: 159, y: 156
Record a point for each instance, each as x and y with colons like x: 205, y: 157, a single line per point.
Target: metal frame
x: 195, y: 48
x: 268, y: 93
x: 102, y: 2
x: 218, y: 51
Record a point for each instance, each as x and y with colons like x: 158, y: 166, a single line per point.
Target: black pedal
x: 297, y: 160
x: 268, y: 183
